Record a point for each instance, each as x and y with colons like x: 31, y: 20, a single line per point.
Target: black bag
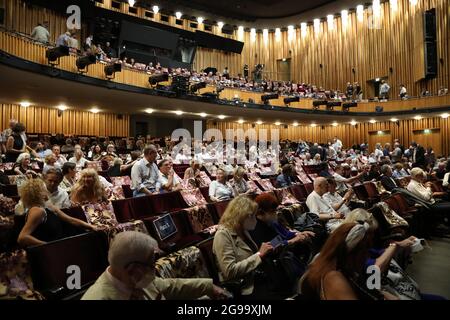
x: 308, y: 221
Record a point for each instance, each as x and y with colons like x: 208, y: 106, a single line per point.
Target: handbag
x: 308, y: 221
x: 399, y: 283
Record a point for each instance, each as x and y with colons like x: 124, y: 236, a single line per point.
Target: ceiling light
x: 25, y: 104
x: 353, y: 123
x: 221, y: 117
x: 419, y: 117
x: 203, y: 114
x: 259, y: 122
x: 413, y: 2
x: 277, y: 123
x: 394, y: 5
x: 178, y: 112
x: 394, y: 119
x: 344, y: 18
x: 330, y: 21
x: 62, y: 107
x: 303, y: 28
x: 334, y: 124
x: 360, y: 12
x: 277, y: 33
x: 444, y: 115
x: 131, y: 2
x: 220, y: 24
x: 295, y: 124
x: 149, y: 110
x: 94, y: 110
x: 373, y: 121
x: 316, y: 25
x: 313, y: 125
x: 155, y: 9
x: 379, y: 132
x: 178, y: 14
x: 200, y: 20
x: 240, y: 121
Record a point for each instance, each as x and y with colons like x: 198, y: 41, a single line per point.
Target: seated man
x: 145, y: 174
x: 131, y: 275
x: 318, y: 205
x: 338, y: 203
x: 169, y: 180
x: 341, y: 181
x: 386, y: 179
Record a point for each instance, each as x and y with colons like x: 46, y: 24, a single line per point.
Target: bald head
x: 320, y: 186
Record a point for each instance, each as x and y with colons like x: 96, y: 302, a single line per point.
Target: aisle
x: 430, y: 268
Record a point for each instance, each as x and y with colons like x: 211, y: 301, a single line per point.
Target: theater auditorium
x: 236, y: 150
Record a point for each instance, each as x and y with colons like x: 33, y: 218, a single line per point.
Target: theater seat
x: 122, y: 210
x: 141, y: 207
x: 219, y: 207
x: 50, y: 263
x: 309, y: 188
x: 299, y: 192
x: 167, y: 202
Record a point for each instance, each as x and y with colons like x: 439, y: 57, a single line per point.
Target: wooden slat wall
x: 349, y: 134
x: 370, y: 51
x: 72, y: 122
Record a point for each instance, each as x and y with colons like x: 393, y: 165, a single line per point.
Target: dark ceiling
x: 246, y: 10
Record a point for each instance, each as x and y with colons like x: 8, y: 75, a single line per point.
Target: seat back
x: 361, y: 192
x: 51, y: 263
x: 219, y: 207
x: 141, y: 207
x: 371, y: 189
x: 167, y: 202
x: 309, y: 187
x: 122, y: 210
x: 299, y: 192
x: 206, y: 248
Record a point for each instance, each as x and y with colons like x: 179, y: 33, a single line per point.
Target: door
x: 284, y: 70
x: 429, y: 138
x: 382, y: 137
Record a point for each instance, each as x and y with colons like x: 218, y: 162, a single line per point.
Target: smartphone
x: 277, y: 241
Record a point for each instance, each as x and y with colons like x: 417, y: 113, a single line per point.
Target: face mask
x: 146, y: 280
x: 249, y: 224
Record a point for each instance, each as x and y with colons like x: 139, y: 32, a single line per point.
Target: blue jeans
x: 136, y: 193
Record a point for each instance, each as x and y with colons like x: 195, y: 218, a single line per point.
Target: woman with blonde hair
x: 50, y: 161
x: 88, y: 188
x: 43, y: 221
x: 238, y: 183
x: 237, y: 256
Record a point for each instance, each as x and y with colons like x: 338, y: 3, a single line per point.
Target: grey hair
x: 384, y: 168
x: 415, y: 172
x: 22, y: 156
x: 131, y: 246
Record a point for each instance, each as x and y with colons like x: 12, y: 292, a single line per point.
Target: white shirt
x: 105, y: 183
x: 220, y: 191
x: 420, y: 191
x: 378, y: 153
x: 61, y: 160
x: 340, y: 182
x: 336, y: 198
x: 164, y: 179
x: 40, y: 34
x: 317, y: 204
x: 446, y: 178
x: 60, y: 199
x: 80, y: 164
x: 145, y: 175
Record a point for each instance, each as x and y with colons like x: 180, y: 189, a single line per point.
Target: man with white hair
x: 131, y: 275
x: 318, y: 205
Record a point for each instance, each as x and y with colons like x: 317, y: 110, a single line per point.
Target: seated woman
x: 339, y: 271
x: 69, y: 172
x: 119, y: 169
x: 43, y: 222
x: 237, y: 256
x: 286, y: 178
x: 50, y: 161
x: 23, y: 166
x: 110, y: 151
x: 317, y: 160
x: 238, y: 183
x: 88, y: 188
x: 268, y: 226
x: 219, y: 189
x: 169, y: 181
x: 399, y: 171
x: 193, y: 171
x: 95, y: 154
x: 79, y: 160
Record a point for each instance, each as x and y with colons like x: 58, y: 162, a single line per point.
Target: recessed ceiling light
x: 203, y: 114
x: 334, y: 124
x: 240, y: 121
x: 259, y: 122
x: 394, y: 119
x: 353, y: 123
x: 200, y: 20
x: 220, y: 24
x: 373, y: 121
x: 155, y: 9
x: 94, y: 110
x: 313, y: 125
x: 419, y: 117
x: 444, y: 115
x: 62, y: 107
x: 149, y: 110
x: 221, y: 117
x: 295, y: 124
x: 277, y: 123
x: 178, y: 14
x: 25, y: 104
x: 178, y: 112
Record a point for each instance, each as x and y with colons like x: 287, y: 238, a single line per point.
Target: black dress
x: 50, y: 229
x: 18, y: 145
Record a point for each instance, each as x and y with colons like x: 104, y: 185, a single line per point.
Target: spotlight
x: 178, y: 14
x: 266, y: 97
x: 155, y: 9
x: 346, y: 106
x: 85, y: 61
x: 288, y: 100
x: 155, y: 79
x: 111, y: 69
x: 54, y: 54
x: 318, y: 103
x: 197, y: 86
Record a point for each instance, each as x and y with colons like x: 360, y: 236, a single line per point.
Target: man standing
x: 417, y: 155
x: 145, y: 175
x: 384, y: 90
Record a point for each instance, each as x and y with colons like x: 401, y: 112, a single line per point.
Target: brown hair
x: 266, y: 202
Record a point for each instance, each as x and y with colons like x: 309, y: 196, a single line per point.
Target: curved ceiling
x: 247, y: 10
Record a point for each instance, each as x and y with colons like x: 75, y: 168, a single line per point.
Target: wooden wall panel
x: 405, y: 130
x: 72, y: 122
